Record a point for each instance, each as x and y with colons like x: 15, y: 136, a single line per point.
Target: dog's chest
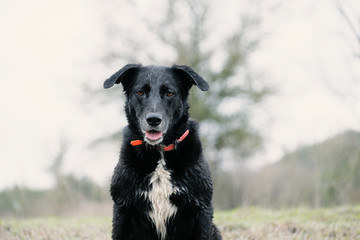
x: 159, y: 194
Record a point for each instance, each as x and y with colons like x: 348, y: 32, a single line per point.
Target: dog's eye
x: 140, y: 93
x: 169, y: 93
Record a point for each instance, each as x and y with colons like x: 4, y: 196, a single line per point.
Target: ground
x: 300, y: 223
x: 243, y: 223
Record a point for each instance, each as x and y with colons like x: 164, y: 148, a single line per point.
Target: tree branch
x: 341, y: 10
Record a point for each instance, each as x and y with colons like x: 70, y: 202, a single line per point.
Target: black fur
x: 161, y: 92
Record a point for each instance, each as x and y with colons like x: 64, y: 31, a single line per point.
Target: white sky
x: 49, y: 49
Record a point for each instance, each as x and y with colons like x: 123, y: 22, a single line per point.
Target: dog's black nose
x: 153, y: 119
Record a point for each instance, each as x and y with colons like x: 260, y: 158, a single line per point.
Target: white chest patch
x: 161, y: 189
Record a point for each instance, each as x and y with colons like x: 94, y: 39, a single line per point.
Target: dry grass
x: 56, y: 228
x: 301, y: 223
x: 244, y: 223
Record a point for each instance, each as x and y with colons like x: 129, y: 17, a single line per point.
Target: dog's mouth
x: 153, y: 136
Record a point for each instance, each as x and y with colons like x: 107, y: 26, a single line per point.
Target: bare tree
x: 352, y: 19
x: 185, y: 30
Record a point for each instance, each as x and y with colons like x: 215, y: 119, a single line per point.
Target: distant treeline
x: 68, y: 196
x: 321, y: 175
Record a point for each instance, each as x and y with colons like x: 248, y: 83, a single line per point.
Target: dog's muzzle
x: 154, y: 127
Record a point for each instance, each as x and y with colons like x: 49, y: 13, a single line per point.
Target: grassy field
x: 300, y: 223
x: 243, y: 223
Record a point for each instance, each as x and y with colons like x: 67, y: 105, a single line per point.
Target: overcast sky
x: 49, y: 49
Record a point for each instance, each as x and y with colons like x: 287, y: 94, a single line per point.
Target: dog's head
x: 156, y: 97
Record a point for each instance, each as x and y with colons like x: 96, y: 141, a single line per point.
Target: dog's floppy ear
x: 191, y: 75
x: 122, y: 75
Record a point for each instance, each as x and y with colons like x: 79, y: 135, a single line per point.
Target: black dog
x: 161, y: 187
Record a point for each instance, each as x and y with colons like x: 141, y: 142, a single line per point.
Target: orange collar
x: 165, y: 148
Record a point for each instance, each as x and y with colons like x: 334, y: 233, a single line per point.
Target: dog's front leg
x: 120, y: 228
x: 204, y: 224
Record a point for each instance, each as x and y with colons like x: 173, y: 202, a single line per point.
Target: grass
x: 300, y: 223
x: 243, y: 223
x: 56, y: 228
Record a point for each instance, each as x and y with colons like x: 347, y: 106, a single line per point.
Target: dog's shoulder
x: 193, y: 124
x: 128, y: 152
x: 129, y: 134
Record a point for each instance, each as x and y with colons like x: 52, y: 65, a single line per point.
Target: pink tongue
x: 153, y: 136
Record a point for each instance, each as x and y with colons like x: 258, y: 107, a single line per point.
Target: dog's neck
x: 167, y: 148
